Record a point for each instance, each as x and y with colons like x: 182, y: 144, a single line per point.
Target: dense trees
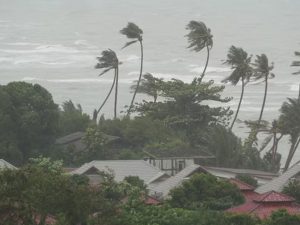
x: 29, y: 121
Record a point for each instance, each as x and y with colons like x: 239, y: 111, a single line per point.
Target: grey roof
x: 277, y: 184
x: 6, y: 165
x: 124, y: 168
x: 241, y: 171
x: 162, y: 189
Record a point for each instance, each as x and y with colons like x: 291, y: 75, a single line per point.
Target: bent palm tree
x: 290, y: 118
x: 199, y: 37
x: 132, y: 31
x: 109, y: 61
x: 149, y: 85
x: 240, y: 63
x: 262, y: 70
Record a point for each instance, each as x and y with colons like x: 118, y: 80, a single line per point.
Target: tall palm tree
x: 132, y: 31
x: 262, y: 70
x: 242, y: 71
x: 149, y: 85
x: 109, y: 61
x: 200, y: 37
x: 290, y: 118
x: 296, y: 63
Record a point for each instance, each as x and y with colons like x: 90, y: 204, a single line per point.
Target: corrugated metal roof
x: 162, y: 189
x: 6, y: 165
x: 124, y: 168
x: 240, y: 171
x: 277, y: 184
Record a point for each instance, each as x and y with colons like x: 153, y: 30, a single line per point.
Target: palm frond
x: 132, y: 31
x: 129, y: 43
x: 265, y: 143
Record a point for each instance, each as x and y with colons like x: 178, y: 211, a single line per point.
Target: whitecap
x: 197, y: 69
x: 294, y: 87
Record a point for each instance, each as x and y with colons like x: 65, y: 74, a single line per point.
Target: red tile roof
x: 263, y: 205
x: 151, y: 201
x: 241, y: 185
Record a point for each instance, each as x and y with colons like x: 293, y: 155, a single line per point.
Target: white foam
x: 23, y: 44
x: 43, y: 49
x: 197, y: 69
x: 294, y: 87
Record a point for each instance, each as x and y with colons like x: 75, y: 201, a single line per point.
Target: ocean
x: 55, y: 43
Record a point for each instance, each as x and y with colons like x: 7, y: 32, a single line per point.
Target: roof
x: 123, y: 168
x: 78, y: 136
x: 241, y: 185
x: 162, y: 189
x: 274, y: 196
x: 277, y: 184
x: 267, y: 203
x: 6, y: 165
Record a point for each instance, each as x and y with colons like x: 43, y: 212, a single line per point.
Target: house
x: 161, y: 190
x: 6, y: 165
x: 246, y: 189
x: 263, y: 205
x: 278, y: 183
x: 262, y: 177
x: 173, y: 165
x: 120, y: 169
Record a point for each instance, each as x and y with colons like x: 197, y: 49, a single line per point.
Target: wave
x: 73, y: 80
x: 23, y: 44
x: 197, y: 69
x: 43, y: 49
x: 294, y: 87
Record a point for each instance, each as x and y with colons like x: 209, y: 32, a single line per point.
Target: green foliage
x: 293, y: 189
x: 205, y: 191
x: 136, y: 182
x: 28, y: 121
x: 281, y: 217
x: 247, y: 179
x: 72, y: 119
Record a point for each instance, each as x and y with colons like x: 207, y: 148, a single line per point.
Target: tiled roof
x: 123, y: 168
x: 277, y: 184
x: 274, y: 196
x: 267, y: 203
x: 241, y: 185
x: 162, y: 189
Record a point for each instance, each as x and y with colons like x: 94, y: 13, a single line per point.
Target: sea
x: 55, y: 43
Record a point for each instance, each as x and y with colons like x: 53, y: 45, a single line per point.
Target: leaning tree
x: 200, y: 37
x: 132, y: 31
x: 109, y: 61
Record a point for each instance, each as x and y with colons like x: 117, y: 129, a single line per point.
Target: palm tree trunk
x: 206, y: 64
x: 240, y: 102
x: 106, y: 98
x: 139, y: 80
x: 292, y: 151
x: 264, y: 101
x: 116, y: 91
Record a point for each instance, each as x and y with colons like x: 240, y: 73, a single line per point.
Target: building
x: 121, y: 169
x: 6, y: 165
x: 278, y: 183
x: 246, y: 189
x: 263, y: 205
x: 262, y: 177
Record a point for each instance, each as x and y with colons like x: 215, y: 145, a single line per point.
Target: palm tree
x: 262, y: 70
x: 296, y: 63
x: 240, y: 63
x: 149, y: 85
x: 199, y: 37
x: 109, y: 61
x: 132, y: 31
x: 290, y: 118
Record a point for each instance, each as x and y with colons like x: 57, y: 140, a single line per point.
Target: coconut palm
x: 149, y: 85
x: 242, y: 71
x: 290, y: 118
x: 199, y: 37
x: 296, y: 63
x: 109, y: 61
x: 132, y: 31
x: 262, y: 70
